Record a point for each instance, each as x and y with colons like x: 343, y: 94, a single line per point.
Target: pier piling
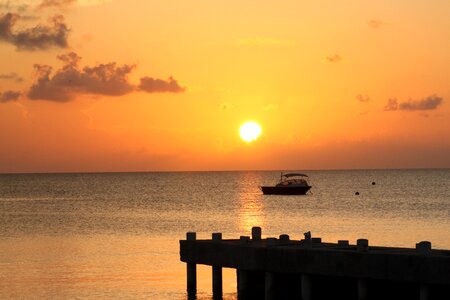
x: 191, y: 270
x: 217, y: 272
x: 306, y: 285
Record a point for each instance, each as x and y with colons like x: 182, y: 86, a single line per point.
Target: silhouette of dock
x: 281, y: 268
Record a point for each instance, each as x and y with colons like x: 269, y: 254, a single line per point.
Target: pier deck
x: 280, y: 268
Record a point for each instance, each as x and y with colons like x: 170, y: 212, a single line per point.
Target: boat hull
x: 285, y: 190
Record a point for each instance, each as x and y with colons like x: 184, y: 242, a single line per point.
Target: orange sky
x: 143, y: 85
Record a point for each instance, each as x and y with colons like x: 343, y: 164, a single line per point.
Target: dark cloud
x: 39, y: 37
x: 334, y: 58
x: 428, y: 103
x: 152, y: 85
x: 363, y: 98
x: 11, y: 76
x: 55, y: 3
x: 9, y: 96
x: 103, y: 79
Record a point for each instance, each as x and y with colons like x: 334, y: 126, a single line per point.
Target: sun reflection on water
x: 251, y: 206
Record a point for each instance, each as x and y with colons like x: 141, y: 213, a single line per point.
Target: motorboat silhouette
x: 289, y: 184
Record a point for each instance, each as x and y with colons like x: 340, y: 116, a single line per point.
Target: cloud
x: 261, y: 42
x: 152, y: 85
x: 39, y: 37
x: 56, y: 3
x: 9, y: 96
x: 29, y: 5
x: 11, y: 76
x: 226, y: 106
x: 391, y: 105
x: 428, y: 103
x: 363, y: 98
x: 374, y: 23
x: 334, y: 58
x: 363, y: 113
x: 14, y: 6
x: 270, y: 106
x: 102, y: 79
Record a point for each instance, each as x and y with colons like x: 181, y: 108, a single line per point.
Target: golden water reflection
x: 251, y: 206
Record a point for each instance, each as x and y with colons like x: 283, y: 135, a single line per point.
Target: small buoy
x: 357, y: 193
x: 373, y: 183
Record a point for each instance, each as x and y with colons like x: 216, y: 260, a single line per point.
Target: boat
x: 290, y: 184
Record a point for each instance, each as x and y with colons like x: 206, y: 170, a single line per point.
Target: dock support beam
x: 243, y: 287
x: 363, y: 289
x: 424, y: 291
x: 269, y: 286
x: 191, y: 270
x: 362, y: 245
x: 217, y: 273
x: 306, y: 287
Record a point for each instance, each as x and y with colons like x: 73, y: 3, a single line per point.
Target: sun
x: 250, y: 131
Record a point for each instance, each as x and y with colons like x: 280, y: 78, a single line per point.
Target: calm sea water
x: 116, y: 235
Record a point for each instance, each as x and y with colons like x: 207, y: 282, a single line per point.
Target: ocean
x: 116, y: 235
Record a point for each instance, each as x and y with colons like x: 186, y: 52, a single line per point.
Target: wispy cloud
x: 15, y: 6
x: 270, y: 106
x: 264, y: 41
x: 428, y: 103
x: 376, y: 23
x: 154, y: 85
x: 391, y: 105
x: 22, y: 5
x: 11, y: 76
x: 226, y: 106
x: 39, y: 37
x: 363, y: 98
x: 9, y: 96
x: 55, y: 3
x: 334, y: 58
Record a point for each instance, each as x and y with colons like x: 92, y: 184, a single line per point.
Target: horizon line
x: 223, y: 171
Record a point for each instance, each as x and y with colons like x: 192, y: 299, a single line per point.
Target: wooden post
x: 343, y: 243
x: 284, y: 237
x: 424, y: 248
x: 217, y: 272
x: 256, y: 233
x: 191, y: 271
x: 270, y: 241
x: 244, y: 239
x: 362, y: 245
x: 307, y: 293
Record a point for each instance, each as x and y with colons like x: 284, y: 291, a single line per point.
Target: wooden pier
x: 281, y: 268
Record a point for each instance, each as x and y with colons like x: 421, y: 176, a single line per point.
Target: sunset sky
x: 143, y: 85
